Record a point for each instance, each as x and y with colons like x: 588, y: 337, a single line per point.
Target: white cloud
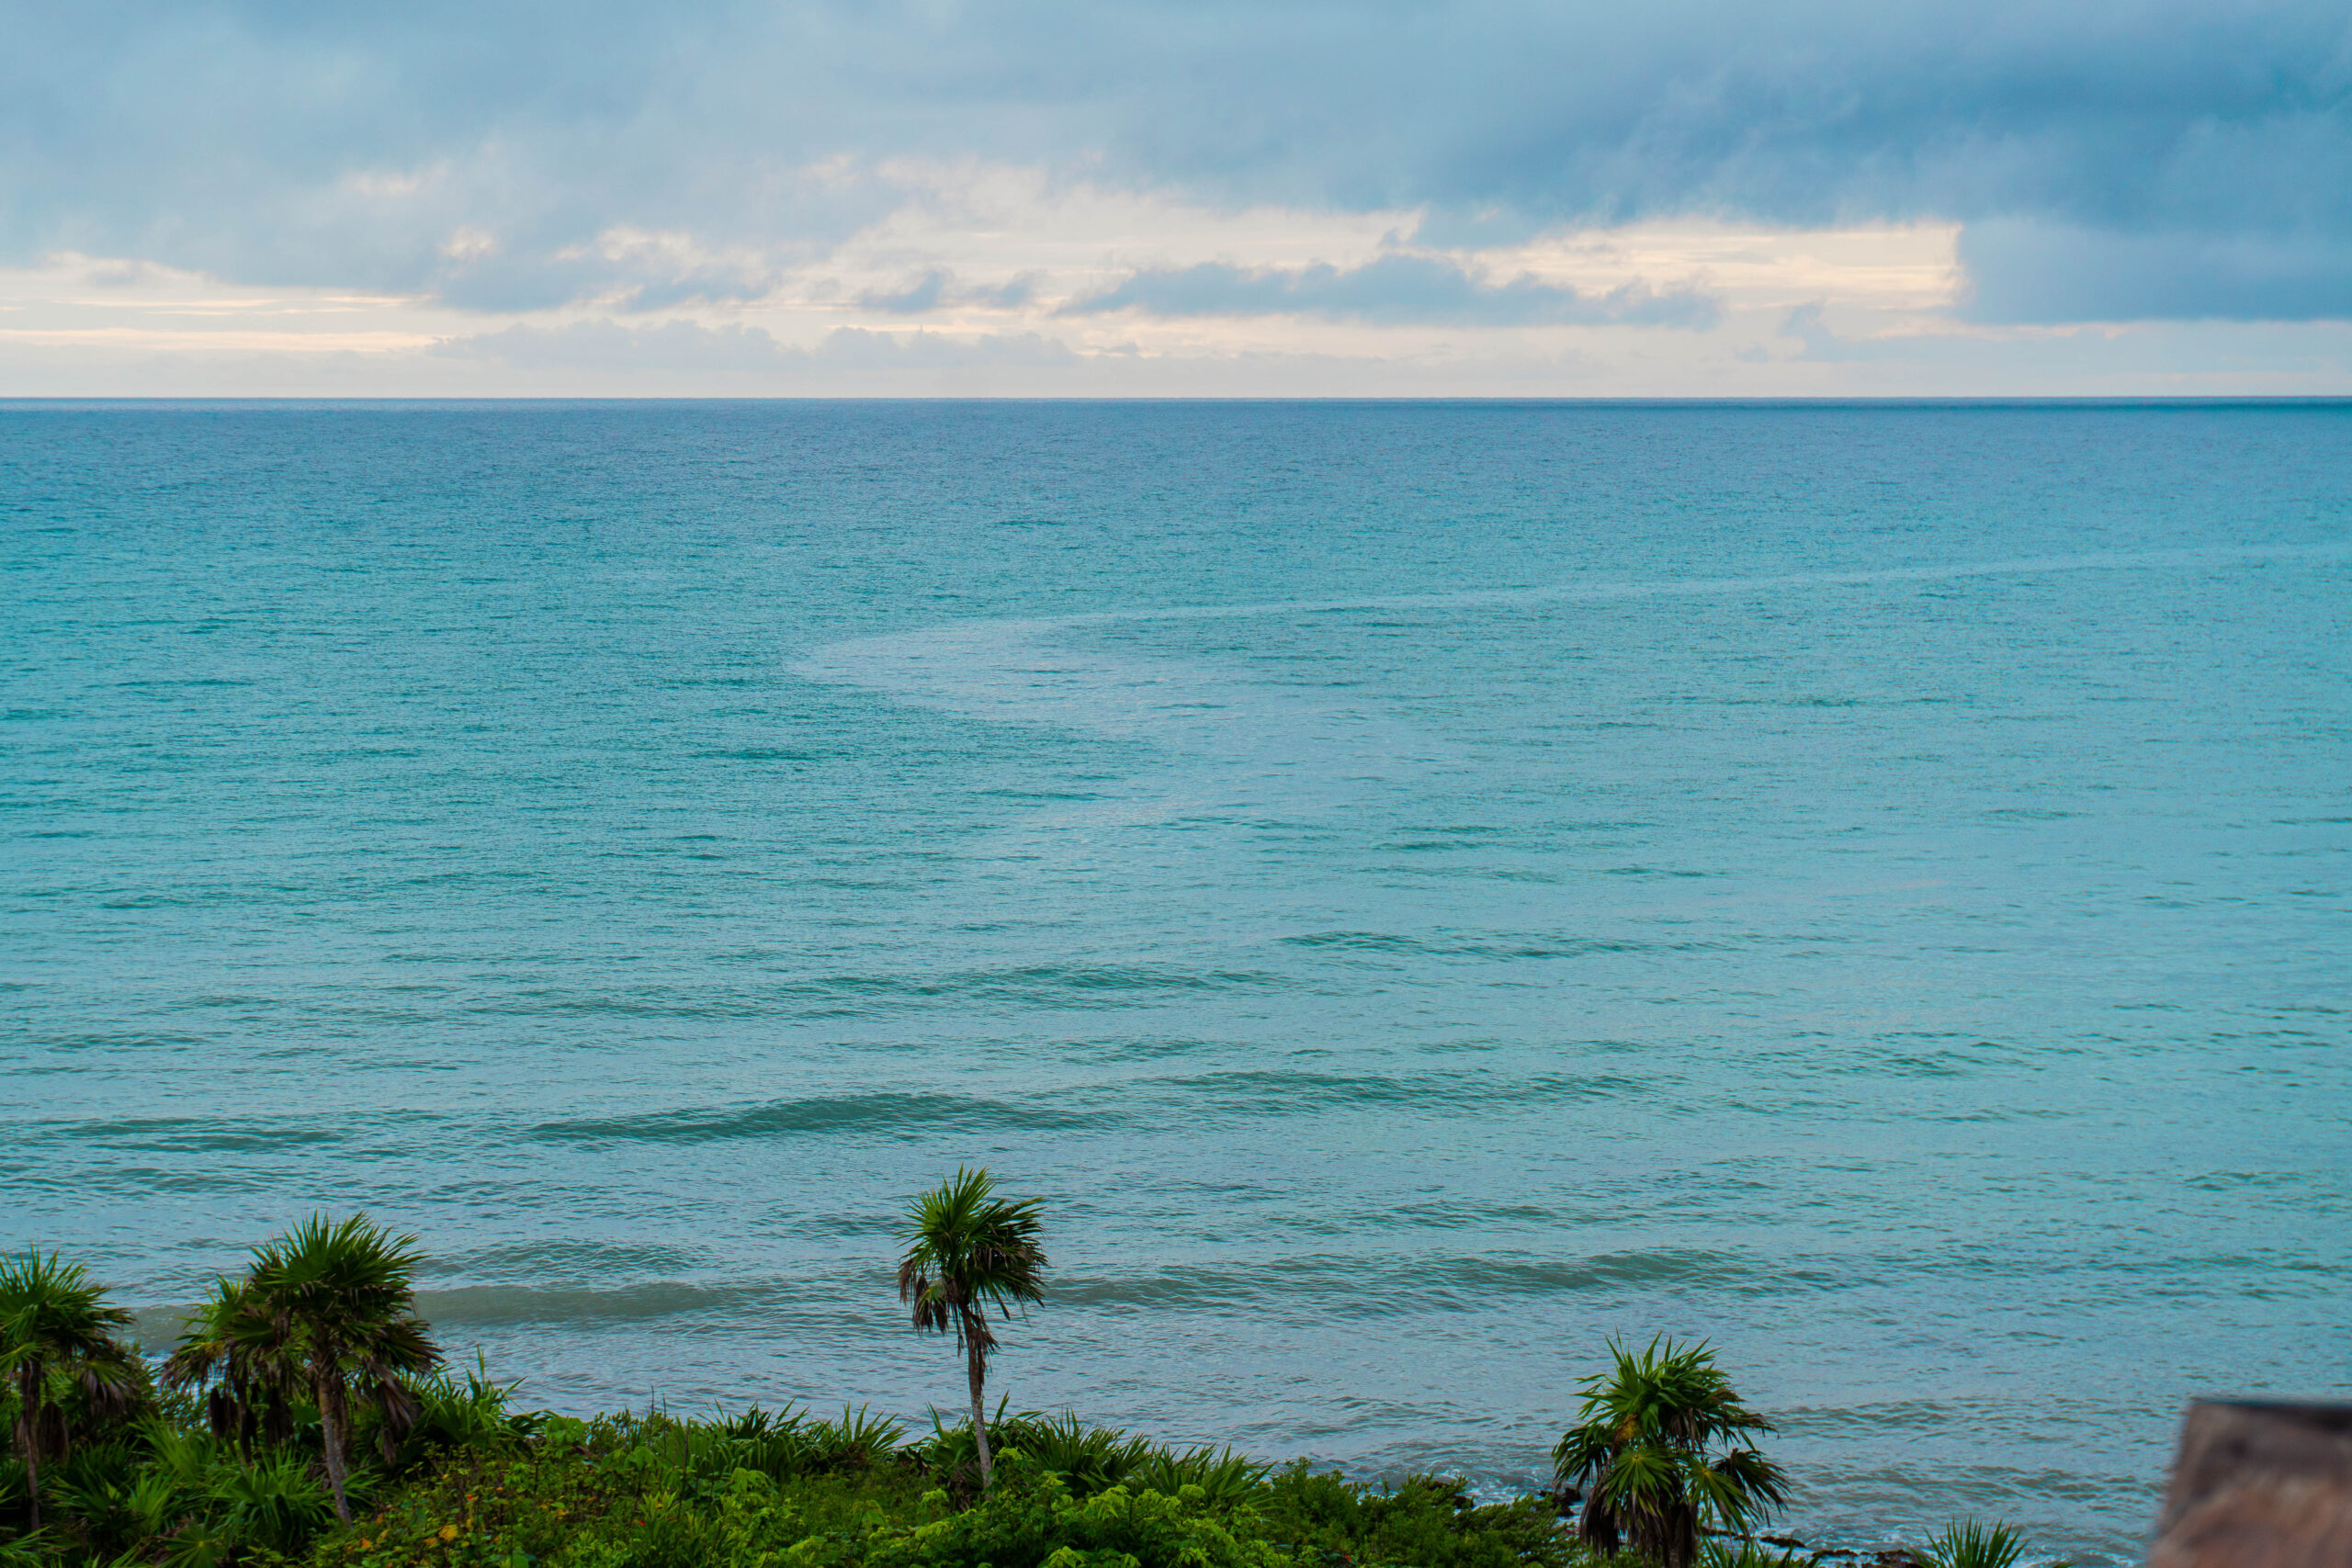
x: 978, y: 283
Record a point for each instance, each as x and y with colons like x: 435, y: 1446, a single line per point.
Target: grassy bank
x: 475, y: 1484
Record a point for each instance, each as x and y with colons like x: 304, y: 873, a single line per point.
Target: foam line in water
x: 1475, y: 598
x: 1249, y: 749
x: 975, y: 649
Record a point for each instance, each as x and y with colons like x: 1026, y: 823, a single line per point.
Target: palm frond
x: 54, y: 1319
x: 1652, y: 1452
x: 1964, y: 1543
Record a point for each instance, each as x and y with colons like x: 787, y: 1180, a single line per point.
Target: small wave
x: 476, y: 1307
x: 1406, y: 946
x: 484, y: 1306
x: 1345, y: 1286
x: 760, y: 754
x: 155, y: 1329
x: 197, y: 1135
x: 576, y: 1260
x: 1250, y: 1093
x: 842, y: 995
x: 900, y: 1116
x: 1038, y: 984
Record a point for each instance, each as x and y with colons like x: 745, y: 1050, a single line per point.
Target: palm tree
x: 53, y: 1321
x: 332, y: 1307
x: 966, y: 1250
x: 236, y: 1349
x: 1644, y: 1448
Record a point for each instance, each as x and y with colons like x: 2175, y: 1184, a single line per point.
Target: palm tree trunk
x: 1683, y: 1538
x: 25, y: 1438
x: 977, y: 1369
x: 331, y: 1424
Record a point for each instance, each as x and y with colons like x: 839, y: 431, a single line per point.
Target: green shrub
x: 39, y: 1548
x: 470, y: 1415
x: 275, y: 1502
x: 1088, y: 1459
x: 1227, y: 1479
x: 1426, y: 1522
x: 1030, y: 1519
x: 1964, y: 1543
x: 854, y: 1442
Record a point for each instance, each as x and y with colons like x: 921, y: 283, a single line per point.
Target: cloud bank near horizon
x: 1391, y: 289
x: 2147, y: 159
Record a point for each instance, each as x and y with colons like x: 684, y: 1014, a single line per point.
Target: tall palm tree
x: 53, y: 1321
x: 339, y: 1306
x: 968, y: 1250
x: 1654, y: 1448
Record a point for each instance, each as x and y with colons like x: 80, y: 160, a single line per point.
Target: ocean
x: 1419, y: 890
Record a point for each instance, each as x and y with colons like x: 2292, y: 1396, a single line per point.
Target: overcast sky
x: 1175, y: 196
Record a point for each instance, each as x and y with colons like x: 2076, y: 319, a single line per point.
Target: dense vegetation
x: 305, y: 1417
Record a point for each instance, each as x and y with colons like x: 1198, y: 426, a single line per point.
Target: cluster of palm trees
x: 324, y: 1314
x: 57, y: 1338
x: 324, y: 1319
x: 328, y: 1312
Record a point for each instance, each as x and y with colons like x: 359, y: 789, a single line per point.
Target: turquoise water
x: 1419, y: 890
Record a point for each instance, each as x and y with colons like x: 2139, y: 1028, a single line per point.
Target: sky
x: 1175, y: 197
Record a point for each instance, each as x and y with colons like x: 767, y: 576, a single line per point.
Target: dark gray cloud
x: 2060, y: 271
x: 2167, y: 157
x: 1391, y: 289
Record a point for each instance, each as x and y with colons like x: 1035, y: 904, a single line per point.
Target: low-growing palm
x: 1965, y: 1543
x: 329, y: 1308
x: 1658, y: 1451
x: 968, y: 1250
x: 55, y: 1328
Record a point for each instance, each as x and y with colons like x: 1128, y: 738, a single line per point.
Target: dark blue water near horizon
x: 1418, y: 890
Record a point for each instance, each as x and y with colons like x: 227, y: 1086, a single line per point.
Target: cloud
x: 936, y: 289
x: 607, y: 345
x: 1808, y: 325
x: 2175, y: 157
x: 1391, y: 289
x: 917, y: 296
x: 2047, y: 273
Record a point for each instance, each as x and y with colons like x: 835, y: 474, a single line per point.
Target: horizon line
x: 9, y: 403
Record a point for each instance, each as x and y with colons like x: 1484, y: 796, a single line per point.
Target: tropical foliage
x: 1965, y: 1543
x: 235, y: 1352
x: 60, y: 1360
x: 328, y: 1310
x: 1657, y: 1452
x: 239, y: 1462
x: 968, y: 1250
